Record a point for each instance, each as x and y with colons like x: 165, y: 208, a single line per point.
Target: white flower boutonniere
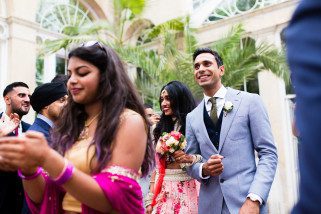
x: 228, y: 106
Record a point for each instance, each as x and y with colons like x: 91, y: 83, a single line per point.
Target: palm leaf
x: 136, y: 6
x: 176, y: 25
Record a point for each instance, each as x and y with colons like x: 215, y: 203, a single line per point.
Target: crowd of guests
x: 91, y: 148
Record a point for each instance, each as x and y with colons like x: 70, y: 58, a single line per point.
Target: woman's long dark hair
x: 116, y: 92
x: 181, y: 102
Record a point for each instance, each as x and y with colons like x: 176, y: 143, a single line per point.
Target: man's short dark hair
x: 13, y: 85
x: 199, y: 51
x: 146, y: 105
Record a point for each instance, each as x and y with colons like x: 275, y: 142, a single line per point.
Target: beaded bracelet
x: 65, y: 174
x: 30, y: 177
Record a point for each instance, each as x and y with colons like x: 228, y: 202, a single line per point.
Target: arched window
x: 231, y: 8
x: 62, y: 15
x: 58, y: 17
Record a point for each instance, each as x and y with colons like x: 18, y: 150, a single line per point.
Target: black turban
x: 46, y: 94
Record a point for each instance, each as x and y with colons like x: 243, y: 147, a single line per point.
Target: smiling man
x: 17, y: 99
x: 226, y: 129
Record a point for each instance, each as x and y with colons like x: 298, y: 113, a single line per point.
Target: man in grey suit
x: 226, y: 129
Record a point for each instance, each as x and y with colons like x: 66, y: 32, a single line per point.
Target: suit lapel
x: 202, y: 127
x: 234, y: 97
x: 25, y: 126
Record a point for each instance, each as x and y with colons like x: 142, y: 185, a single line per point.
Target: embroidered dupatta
x: 118, y: 184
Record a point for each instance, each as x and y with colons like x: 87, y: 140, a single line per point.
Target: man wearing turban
x: 47, y: 100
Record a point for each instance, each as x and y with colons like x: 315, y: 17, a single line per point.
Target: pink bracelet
x: 66, y: 173
x: 30, y: 177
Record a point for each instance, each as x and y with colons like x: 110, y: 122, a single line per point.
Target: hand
x: 154, y: 119
x: 9, y: 126
x: 26, y: 152
x: 148, y: 209
x: 250, y: 207
x: 6, y: 167
x: 213, y: 166
x: 182, y: 157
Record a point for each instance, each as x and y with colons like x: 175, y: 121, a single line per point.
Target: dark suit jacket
x: 11, y: 190
x: 304, y: 56
x: 41, y: 126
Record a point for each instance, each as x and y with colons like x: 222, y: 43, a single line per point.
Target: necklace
x: 84, y: 134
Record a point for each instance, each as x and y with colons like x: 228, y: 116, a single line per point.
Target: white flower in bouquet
x: 183, y: 145
x: 171, y: 142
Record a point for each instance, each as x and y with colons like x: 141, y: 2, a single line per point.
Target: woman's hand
x: 10, y: 125
x: 182, y: 157
x: 149, y: 209
x: 26, y: 152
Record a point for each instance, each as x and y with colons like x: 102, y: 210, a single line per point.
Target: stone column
x: 283, y: 194
x: 3, y: 59
x: 49, y: 67
x: 21, y: 64
x: 272, y: 91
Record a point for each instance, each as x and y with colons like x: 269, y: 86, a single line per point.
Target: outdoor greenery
x: 40, y: 70
x: 172, y: 59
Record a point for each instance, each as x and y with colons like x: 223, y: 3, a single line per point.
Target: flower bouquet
x: 168, y: 143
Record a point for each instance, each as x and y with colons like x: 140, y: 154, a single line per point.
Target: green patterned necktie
x: 213, y: 114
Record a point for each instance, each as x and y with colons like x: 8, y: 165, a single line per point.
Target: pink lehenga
x: 178, y: 194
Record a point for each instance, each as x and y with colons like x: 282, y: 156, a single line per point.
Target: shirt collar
x: 219, y: 94
x: 50, y: 123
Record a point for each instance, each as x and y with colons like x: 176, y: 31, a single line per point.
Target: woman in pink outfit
x: 99, y: 146
x: 171, y: 189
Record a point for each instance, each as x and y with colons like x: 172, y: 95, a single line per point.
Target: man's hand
x: 250, y: 207
x: 154, y: 119
x: 213, y: 166
x: 182, y: 157
x: 10, y: 125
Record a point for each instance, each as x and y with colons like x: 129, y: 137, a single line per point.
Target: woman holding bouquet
x: 171, y: 189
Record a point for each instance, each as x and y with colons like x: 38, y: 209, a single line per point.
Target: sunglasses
x: 93, y: 43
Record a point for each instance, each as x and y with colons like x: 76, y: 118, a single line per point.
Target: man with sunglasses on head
x: 17, y: 100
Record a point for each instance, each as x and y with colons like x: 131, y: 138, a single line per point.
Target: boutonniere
x: 228, y: 106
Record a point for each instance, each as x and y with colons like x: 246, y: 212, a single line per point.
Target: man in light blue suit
x: 226, y: 131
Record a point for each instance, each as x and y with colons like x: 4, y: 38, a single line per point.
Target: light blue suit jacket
x: 244, y: 130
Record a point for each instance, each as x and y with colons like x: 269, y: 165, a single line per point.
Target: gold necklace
x: 84, y: 134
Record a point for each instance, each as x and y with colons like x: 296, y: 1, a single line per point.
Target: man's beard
x: 19, y: 111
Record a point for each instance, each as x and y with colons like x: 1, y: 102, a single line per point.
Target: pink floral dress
x: 179, y: 193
